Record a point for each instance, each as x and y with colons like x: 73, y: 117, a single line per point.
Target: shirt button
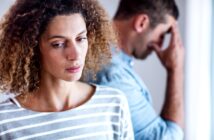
x: 131, y: 63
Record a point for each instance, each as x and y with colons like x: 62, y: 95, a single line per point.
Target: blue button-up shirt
x: 146, y: 123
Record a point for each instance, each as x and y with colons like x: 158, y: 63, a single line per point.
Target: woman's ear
x: 141, y: 22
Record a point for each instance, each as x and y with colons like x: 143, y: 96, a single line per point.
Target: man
x: 141, y: 27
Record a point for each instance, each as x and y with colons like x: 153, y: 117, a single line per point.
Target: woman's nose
x: 72, y: 51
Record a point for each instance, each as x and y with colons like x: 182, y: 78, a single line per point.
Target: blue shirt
x: 146, y: 123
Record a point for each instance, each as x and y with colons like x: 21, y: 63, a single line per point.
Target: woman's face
x: 63, y: 48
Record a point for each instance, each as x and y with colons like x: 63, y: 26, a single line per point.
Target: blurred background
x: 195, y: 22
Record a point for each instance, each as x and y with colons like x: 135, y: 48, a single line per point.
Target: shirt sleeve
x: 147, y: 124
x: 126, y: 125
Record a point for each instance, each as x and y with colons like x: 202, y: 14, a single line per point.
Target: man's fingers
x: 156, y: 48
x: 176, y: 38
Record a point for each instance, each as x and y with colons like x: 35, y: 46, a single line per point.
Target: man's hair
x: 155, y: 9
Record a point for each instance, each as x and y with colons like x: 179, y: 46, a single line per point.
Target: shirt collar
x: 126, y: 58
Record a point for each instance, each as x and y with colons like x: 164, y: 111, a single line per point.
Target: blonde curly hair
x: 24, y: 24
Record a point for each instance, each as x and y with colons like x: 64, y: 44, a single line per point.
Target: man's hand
x: 173, y: 56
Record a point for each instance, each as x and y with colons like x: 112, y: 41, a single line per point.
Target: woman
x: 44, y: 47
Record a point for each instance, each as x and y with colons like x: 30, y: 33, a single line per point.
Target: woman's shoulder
x: 6, y: 107
x: 6, y: 104
x: 107, y: 91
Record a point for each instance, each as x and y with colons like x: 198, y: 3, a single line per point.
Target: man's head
x: 143, y: 23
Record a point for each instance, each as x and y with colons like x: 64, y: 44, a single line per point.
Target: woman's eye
x: 58, y: 45
x: 80, y: 39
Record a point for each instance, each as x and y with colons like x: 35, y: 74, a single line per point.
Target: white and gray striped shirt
x: 104, y: 117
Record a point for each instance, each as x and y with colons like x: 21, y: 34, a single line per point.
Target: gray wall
x: 4, y: 5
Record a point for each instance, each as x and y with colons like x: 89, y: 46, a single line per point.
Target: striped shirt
x: 104, y: 117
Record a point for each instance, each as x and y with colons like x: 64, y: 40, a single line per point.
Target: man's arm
x: 172, y: 59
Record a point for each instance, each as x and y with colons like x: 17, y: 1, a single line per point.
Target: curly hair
x: 24, y: 24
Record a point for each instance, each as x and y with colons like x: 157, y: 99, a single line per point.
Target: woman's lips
x: 73, y: 69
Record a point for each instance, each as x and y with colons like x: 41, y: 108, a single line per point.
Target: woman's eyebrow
x: 84, y: 31
x: 56, y: 36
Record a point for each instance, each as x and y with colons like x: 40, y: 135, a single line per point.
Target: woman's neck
x: 54, y: 96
